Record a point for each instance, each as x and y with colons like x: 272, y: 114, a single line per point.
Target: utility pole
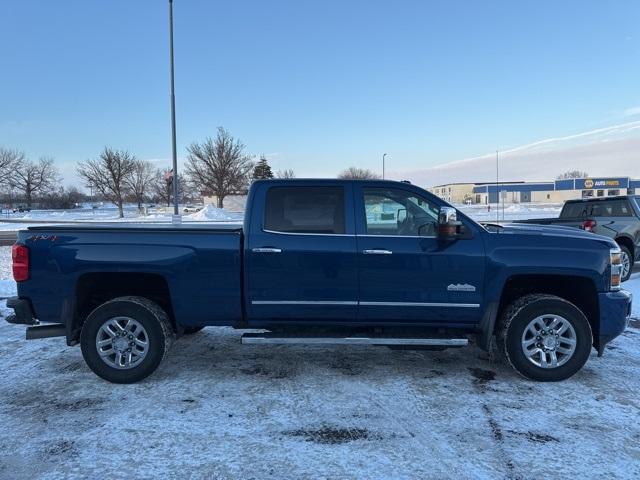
x: 383, y: 165
x: 176, y: 214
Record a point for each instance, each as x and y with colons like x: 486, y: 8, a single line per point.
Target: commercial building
x: 539, y: 192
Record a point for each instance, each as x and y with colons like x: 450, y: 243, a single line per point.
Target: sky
x: 320, y: 86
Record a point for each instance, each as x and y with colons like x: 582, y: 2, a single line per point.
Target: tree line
x: 219, y: 166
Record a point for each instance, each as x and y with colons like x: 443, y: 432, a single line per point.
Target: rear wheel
x: 125, y: 339
x: 545, y: 337
x: 627, y: 263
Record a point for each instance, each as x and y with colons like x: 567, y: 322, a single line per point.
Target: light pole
x: 383, y: 156
x: 176, y: 214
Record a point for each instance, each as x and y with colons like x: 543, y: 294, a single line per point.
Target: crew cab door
x: 301, y: 253
x: 407, y: 275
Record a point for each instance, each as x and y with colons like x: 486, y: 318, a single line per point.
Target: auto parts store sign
x: 589, y: 183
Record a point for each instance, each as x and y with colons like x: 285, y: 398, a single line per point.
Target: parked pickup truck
x: 324, y: 262
x: 614, y: 217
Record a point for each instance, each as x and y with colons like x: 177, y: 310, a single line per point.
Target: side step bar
x: 269, y: 339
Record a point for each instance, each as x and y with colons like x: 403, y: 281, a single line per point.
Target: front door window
x: 397, y: 212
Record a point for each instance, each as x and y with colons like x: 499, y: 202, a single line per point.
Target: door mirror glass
x: 448, y: 224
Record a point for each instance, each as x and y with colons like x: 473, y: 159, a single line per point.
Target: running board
x: 269, y: 339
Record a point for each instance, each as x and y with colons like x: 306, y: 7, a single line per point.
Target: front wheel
x: 545, y: 337
x: 627, y: 263
x: 125, y: 339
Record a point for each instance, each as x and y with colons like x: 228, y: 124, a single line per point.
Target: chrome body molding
x: 302, y: 302
x: 366, y: 304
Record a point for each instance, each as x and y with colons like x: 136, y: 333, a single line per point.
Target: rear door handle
x: 377, y: 251
x: 266, y: 250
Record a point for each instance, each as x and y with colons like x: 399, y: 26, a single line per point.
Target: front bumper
x: 615, y: 310
x: 23, y: 313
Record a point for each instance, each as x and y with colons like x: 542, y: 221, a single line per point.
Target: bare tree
x: 572, y: 174
x: 109, y: 174
x: 9, y: 160
x: 162, y: 191
x: 219, y: 165
x: 285, y: 174
x: 355, y: 173
x: 140, y: 180
x: 33, y: 178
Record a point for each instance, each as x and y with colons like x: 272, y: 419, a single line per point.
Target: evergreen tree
x: 262, y: 169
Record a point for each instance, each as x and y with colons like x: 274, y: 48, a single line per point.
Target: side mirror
x: 448, y: 224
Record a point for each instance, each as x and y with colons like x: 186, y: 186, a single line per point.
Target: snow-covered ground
x: 18, y: 221
x: 217, y: 409
x: 510, y: 212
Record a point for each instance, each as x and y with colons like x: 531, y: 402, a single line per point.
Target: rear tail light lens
x: 20, y: 257
x: 589, y: 225
x: 616, y: 268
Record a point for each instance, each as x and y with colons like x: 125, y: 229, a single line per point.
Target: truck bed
x: 199, y: 266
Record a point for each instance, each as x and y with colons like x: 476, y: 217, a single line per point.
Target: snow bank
x: 210, y: 213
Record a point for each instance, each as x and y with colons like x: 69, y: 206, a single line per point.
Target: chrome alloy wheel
x: 122, y: 343
x: 549, y: 341
x: 625, y: 260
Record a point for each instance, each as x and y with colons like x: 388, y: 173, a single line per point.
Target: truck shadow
x: 219, y: 351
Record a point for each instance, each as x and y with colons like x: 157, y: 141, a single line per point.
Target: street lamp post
x: 176, y: 214
x: 383, y: 156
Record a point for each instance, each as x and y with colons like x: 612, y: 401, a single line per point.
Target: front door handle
x: 377, y: 251
x: 266, y: 250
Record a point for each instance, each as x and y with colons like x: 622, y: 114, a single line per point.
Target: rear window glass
x: 305, y: 210
x: 615, y: 208
x: 578, y: 209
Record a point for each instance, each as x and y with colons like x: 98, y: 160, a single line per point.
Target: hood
x: 554, y: 230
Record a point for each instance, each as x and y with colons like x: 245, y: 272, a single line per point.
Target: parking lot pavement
x: 217, y: 409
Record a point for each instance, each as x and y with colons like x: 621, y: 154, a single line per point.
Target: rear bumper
x: 615, y: 310
x: 22, y: 312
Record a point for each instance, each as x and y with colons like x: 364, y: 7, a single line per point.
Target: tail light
x: 615, y: 254
x: 20, y: 257
x: 589, y: 225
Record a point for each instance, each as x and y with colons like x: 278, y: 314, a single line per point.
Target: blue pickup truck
x: 324, y: 262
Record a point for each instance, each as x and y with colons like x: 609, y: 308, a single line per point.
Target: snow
x: 218, y: 409
x: 7, y: 285
x: 633, y: 285
x: 211, y: 212
x: 18, y: 221
x: 510, y: 212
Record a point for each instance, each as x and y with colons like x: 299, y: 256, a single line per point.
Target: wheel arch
x: 627, y: 242
x: 580, y: 291
x: 96, y: 288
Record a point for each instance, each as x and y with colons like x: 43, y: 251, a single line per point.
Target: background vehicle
x: 324, y: 262
x: 614, y: 217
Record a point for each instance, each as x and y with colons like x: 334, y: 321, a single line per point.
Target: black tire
x: 626, y: 251
x: 153, y: 319
x: 515, y: 320
x: 191, y: 330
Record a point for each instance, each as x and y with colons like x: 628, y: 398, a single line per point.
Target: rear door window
x: 305, y: 210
